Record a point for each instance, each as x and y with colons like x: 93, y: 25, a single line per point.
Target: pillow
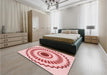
x: 66, y: 31
x: 74, y: 31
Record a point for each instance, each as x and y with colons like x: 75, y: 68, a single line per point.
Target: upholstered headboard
x: 80, y: 31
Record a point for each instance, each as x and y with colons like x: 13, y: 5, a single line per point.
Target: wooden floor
x: 90, y: 60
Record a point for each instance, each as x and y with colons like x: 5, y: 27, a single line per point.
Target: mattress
x: 67, y: 38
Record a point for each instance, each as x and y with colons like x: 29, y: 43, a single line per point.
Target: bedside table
x: 91, y: 39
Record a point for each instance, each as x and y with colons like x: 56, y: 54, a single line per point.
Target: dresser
x: 91, y: 39
x: 11, y: 39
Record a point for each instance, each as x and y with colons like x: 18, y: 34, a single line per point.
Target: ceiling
x: 39, y: 4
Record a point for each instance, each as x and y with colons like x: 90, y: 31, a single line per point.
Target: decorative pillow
x: 74, y: 31
x: 66, y: 31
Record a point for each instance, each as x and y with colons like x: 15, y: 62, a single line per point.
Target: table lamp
x: 55, y: 28
x: 90, y: 28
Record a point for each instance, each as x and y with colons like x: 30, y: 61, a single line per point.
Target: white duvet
x: 74, y: 37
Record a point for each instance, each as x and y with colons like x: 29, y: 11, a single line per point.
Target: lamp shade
x: 90, y: 27
x: 55, y: 28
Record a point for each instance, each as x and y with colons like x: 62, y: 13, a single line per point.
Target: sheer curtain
x: 91, y: 16
x: 55, y: 20
x: 87, y: 15
x: 14, y: 16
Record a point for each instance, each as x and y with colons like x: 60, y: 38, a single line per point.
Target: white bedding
x: 70, y: 38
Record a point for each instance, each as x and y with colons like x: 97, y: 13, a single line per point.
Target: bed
x: 65, y: 42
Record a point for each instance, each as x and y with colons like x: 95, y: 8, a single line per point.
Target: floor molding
x: 102, y: 49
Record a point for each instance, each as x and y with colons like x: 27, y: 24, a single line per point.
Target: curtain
x: 14, y: 16
x: 55, y: 20
x: 91, y: 16
x: 81, y: 16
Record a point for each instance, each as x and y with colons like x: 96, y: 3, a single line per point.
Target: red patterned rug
x: 55, y: 62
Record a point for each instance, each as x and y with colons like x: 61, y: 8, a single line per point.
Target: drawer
x: 94, y: 37
x: 16, y: 34
x: 1, y: 41
x: 1, y: 36
x: 13, y: 35
x: 87, y: 40
x: 25, y: 41
x: 1, y: 45
x: 24, y: 37
x: 13, y: 43
x: 94, y: 41
x: 13, y: 39
x: 87, y: 37
x: 24, y: 34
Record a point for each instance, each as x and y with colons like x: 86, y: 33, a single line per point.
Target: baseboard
x: 102, y: 49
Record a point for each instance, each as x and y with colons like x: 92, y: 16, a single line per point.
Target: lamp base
x: 90, y: 31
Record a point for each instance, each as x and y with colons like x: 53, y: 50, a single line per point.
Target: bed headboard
x: 80, y: 31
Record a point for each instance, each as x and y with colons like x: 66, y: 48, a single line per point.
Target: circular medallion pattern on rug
x: 47, y: 57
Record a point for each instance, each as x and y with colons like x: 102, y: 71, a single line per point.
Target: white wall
x: 80, y: 16
x: 70, y: 18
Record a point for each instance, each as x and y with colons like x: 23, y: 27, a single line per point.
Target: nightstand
x: 91, y: 39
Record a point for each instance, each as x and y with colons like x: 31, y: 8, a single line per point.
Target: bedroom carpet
x: 89, y: 60
x: 53, y: 61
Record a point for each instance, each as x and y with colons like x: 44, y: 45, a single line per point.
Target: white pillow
x: 66, y: 31
x: 74, y: 31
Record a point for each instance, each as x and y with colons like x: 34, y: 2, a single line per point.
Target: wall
x: 80, y: 16
x: 103, y: 23
x: 14, y: 15
x: 70, y: 18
